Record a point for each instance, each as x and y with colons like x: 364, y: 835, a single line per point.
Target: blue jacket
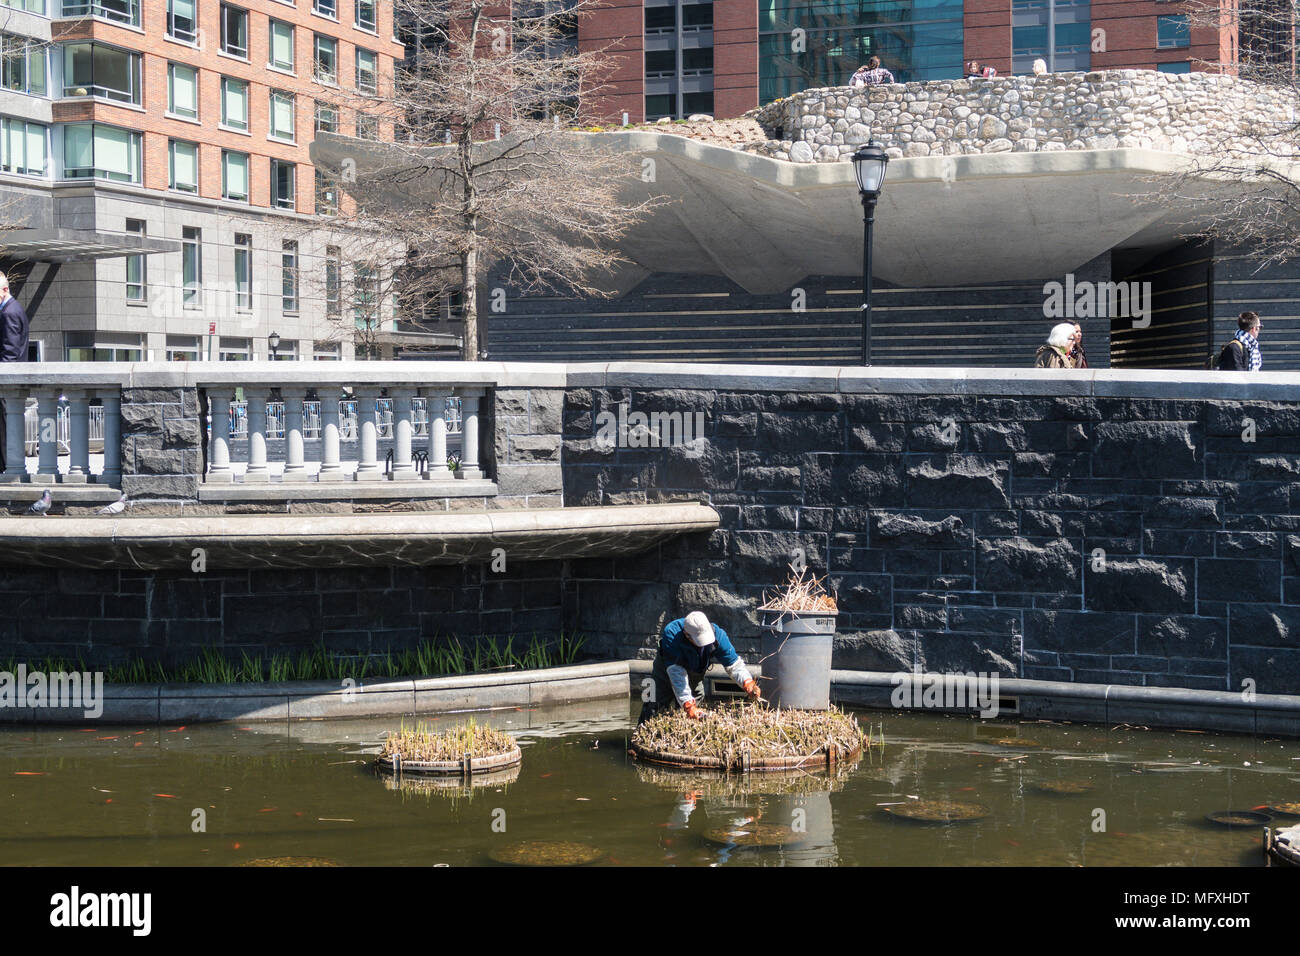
x: 677, y: 648
x: 13, y: 332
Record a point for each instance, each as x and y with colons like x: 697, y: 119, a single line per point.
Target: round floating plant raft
x: 938, y: 811
x: 1285, y: 809
x: 290, y: 861
x: 740, y: 736
x: 546, y: 853
x: 462, y: 750
x: 1239, y: 818
x: 754, y: 834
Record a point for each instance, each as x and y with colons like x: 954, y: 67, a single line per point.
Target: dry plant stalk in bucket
x: 802, y: 593
x: 421, y: 744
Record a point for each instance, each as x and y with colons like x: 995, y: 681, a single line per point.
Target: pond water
x: 129, y: 796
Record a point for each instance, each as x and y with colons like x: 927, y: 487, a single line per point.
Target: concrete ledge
x: 314, y: 700
x: 1272, y: 715
x: 347, y: 490
x: 351, y: 540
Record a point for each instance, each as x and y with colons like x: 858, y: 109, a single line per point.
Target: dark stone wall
x: 105, y: 617
x: 1085, y: 539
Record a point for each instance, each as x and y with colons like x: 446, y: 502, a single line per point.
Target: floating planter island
x: 461, y: 751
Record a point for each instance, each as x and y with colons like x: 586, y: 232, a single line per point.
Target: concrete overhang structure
x: 941, y: 220
x: 77, y: 245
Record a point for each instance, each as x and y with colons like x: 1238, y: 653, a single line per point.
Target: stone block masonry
x: 1194, y: 113
x: 1079, y: 538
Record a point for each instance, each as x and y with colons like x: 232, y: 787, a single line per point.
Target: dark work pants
x: 663, y: 696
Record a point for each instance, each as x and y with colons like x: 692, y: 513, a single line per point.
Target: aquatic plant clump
x: 736, y: 735
x: 802, y: 593
x: 419, y: 744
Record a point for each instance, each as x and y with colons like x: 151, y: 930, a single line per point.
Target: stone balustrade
x: 309, y: 437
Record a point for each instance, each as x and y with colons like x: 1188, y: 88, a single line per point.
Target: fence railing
x: 417, y: 420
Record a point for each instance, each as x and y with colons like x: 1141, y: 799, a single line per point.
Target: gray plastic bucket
x: 796, y: 652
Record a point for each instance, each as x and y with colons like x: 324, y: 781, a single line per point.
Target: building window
x: 234, y: 31
x: 367, y: 71
x: 22, y: 147
x: 22, y: 65
x: 136, y: 280
x: 96, y: 151
x: 366, y: 15
x: 191, y: 267
x: 282, y: 125
x: 234, y: 103
x: 697, y: 17
x: 327, y: 118
x: 1173, y: 32
x: 101, y: 347
x: 182, y: 22
x: 31, y: 6
x: 365, y: 297
x: 327, y: 196
x: 325, y: 351
x: 281, y: 46
x: 243, y: 271
x: 283, y: 175
x: 183, y: 90
x: 182, y: 348
x: 289, y: 276
x: 1183, y: 67
x: 367, y: 126
x: 183, y: 166
x: 326, y: 61
x: 327, y: 8
x: 234, y: 350
x: 234, y: 175
x: 333, y: 282
x: 115, y: 11
x: 93, y: 69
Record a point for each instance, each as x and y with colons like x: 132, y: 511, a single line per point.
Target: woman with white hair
x: 1056, y: 353
x: 1040, y: 67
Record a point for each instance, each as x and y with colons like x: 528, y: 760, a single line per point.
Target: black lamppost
x: 869, y: 164
x: 274, y: 341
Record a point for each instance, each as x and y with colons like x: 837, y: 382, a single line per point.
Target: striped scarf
x: 1249, y: 343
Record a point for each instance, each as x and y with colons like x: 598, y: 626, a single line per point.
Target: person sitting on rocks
x: 1056, y: 353
x: 873, y: 74
x: 1040, y: 67
x: 973, y: 70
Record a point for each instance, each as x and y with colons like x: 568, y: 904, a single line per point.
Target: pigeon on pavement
x: 116, y: 508
x: 42, y: 505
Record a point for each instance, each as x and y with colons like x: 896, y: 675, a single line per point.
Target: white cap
x: 698, y: 629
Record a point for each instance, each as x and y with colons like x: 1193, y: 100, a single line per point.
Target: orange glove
x: 751, y: 688
x: 693, y: 710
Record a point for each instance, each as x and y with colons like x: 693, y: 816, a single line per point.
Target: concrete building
x: 156, y: 158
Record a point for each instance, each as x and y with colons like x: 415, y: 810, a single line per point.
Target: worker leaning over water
x: 686, y: 649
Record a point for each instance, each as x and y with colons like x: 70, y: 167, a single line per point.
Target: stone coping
x: 314, y: 700
x: 347, y: 490
x: 346, y: 540
x: 885, y: 380
x: 1276, y: 715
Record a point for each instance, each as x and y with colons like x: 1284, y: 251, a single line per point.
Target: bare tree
x: 1245, y: 186
x: 485, y: 165
x: 18, y: 56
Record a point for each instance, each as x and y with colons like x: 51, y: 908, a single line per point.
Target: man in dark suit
x: 13, y: 343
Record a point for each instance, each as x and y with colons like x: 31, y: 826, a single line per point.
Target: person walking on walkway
x: 1056, y: 352
x: 14, y: 327
x: 1242, y: 354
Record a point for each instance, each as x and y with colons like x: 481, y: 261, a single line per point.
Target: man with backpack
x: 1241, y: 354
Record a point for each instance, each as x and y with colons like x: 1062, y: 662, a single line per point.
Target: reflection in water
x: 1085, y: 796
